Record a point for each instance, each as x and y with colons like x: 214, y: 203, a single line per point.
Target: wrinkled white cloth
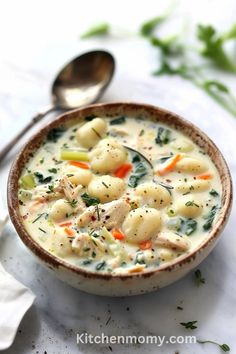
x: 15, y: 299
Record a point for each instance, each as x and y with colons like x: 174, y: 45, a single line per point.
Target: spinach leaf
x: 139, y: 259
x: 119, y: 120
x: 188, y: 226
x: 41, y: 179
x: 210, y: 218
x: 55, y: 133
x: 136, y: 158
x: 139, y: 172
x: 163, y: 136
x: 88, y: 200
x: 214, y: 193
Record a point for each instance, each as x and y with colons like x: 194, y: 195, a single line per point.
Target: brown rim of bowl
x: 113, y: 109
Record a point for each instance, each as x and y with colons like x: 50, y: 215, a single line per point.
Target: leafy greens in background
x: 174, y: 56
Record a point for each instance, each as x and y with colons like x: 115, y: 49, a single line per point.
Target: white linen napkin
x: 15, y: 299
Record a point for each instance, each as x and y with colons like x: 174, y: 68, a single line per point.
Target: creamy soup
x: 119, y: 195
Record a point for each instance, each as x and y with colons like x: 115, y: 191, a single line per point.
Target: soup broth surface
x: 119, y: 195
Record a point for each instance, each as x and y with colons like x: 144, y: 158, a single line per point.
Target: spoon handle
x: 18, y: 136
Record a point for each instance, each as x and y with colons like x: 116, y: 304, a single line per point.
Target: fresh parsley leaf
x: 224, y: 346
x: 88, y: 200
x: 100, y: 29
x: 199, y: 278
x: 41, y: 179
x: 73, y: 203
x: 169, y: 45
x: 213, y: 46
x: 221, y: 94
x: 148, y: 27
x: 52, y: 170
x: 189, y: 325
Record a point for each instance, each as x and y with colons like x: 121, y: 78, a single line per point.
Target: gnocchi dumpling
x: 141, y: 224
x: 191, y: 165
x: 106, y: 188
x: 193, y: 186
x: 189, y: 206
x: 107, y: 156
x: 182, y: 145
x: 59, y: 243
x: 78, y: 175
x: 148, y: 256
x: 59, y: 210
x: 90, y: 133
x: 153, y: 195
x: 166, y: 254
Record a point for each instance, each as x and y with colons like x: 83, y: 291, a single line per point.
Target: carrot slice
x: 145, y: 245
x: 40, y: 200
x: 37, y: 204
x: 79, y: 164
x: 117, y: 234
x: 123, y: 170
x: 69, y: 223
x: 170, y: 166
x: 205, y: 176
x: 69, y: 232
x: 137, y: 269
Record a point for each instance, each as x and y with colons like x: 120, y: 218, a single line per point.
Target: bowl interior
x: 113, y: 110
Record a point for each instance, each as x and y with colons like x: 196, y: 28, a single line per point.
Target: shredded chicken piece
x: 173, y: 241
x: 83, y: 244
x: 137, y: 268
x: 110, y: 214
x: 71, y: 193
x: 118, y: 131
x: 43, y: 191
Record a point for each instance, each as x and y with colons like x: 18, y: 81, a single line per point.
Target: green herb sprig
x: 223, y: 347
x: 189, y: 325
x: 199, y: 280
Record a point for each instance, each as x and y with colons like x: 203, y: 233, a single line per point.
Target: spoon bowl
x: 83, y: 80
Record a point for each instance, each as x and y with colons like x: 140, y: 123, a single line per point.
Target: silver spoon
x: 82, y: 81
